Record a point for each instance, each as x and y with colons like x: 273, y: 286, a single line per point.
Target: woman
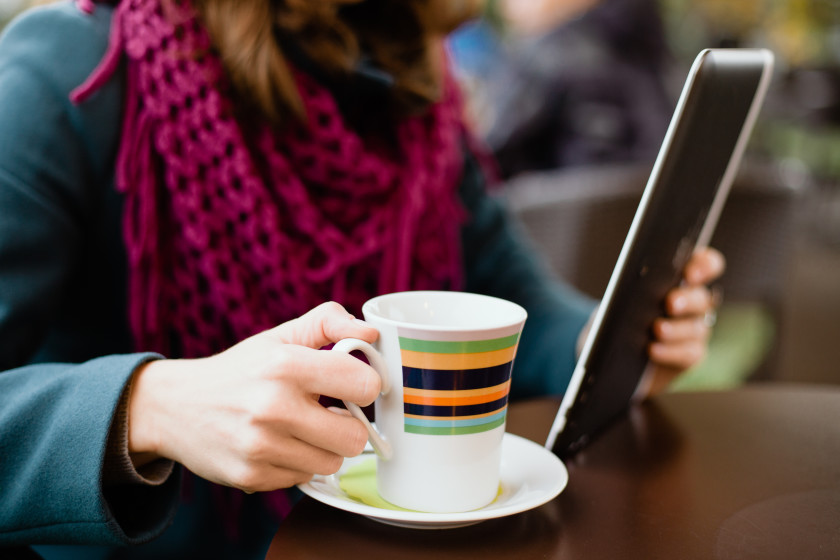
x: 240, y: 162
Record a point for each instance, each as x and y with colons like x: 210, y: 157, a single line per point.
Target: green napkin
x: 359, y: 483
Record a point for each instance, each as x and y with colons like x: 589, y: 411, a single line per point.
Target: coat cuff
x: 118, y: 467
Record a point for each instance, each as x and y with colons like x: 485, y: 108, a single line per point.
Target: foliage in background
x: 800, y: 123
x: 800, y: 32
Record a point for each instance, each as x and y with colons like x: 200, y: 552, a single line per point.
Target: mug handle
x: 380, y: 446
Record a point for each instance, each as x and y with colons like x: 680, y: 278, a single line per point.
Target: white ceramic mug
x: 445, y: 359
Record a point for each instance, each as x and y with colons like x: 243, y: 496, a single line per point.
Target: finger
x: 276, y: 478
x: 275, y: 462
x: 688, y: 300
x: 325, y: 324
x: 286, y: 478
x: 662, y: 377
x: 332, y: 374
x: 325, y: 429
x: 681, y: 330
x: 300, y: 456
x: 680, y: 355
x: 706, y: 265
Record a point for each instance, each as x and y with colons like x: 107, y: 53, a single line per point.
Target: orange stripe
x: 455, y: 401
x: 427, y: 360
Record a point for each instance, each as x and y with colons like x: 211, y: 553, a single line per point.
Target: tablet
x: 679, y: 209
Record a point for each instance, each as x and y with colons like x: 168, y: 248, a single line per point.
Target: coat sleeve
x: 56, y: 418
x: 501, y: 261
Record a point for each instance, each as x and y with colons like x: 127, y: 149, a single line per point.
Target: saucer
x: 531, y: 475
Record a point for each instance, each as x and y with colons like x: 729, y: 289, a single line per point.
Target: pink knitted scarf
x: 229, y: 231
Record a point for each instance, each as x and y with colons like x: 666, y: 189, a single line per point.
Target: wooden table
x: 752, y: 473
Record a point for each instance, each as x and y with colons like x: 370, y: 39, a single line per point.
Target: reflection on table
x: 752, y: 473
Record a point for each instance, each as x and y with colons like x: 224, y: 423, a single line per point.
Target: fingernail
x: 678, y: 304
x: 362, y: 323
x: 338, y: 410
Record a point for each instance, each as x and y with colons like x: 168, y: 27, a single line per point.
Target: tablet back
x: 678, y: 212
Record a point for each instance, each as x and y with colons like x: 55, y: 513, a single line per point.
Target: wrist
x: 145, y: 408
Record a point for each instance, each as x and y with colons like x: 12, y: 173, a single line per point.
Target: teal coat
x: 65, y: 351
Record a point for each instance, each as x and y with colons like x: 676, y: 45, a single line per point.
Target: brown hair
x: 402, y: 37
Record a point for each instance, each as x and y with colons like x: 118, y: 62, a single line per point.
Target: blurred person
x: 196, y: 197
x: 561, y: 83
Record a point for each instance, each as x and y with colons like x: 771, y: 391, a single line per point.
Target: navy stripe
x: 455, y: 411
x: 455, y: 380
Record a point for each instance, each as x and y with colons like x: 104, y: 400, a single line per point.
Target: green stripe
x: 452, y: 430
x: 457, y: 346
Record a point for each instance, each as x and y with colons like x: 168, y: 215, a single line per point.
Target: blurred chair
x: 578, y: 218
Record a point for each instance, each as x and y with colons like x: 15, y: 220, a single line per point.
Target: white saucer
x: 531, y: 476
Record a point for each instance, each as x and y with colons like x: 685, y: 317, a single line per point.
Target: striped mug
x: 445, y: 359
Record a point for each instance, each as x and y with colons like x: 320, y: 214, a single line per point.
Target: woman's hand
x: 681, y: 337
x: 249, y: 417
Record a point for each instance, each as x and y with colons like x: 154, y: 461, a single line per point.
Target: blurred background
x: 9, y: 8
x: 573, y: 97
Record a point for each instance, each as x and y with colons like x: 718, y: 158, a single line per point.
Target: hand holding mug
x: 249, y: 417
